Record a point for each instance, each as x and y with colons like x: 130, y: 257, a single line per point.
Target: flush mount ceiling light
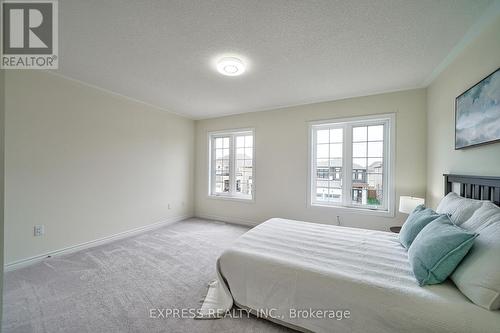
x: 230, y: 66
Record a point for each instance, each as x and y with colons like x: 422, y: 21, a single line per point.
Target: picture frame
x: 477, y: 113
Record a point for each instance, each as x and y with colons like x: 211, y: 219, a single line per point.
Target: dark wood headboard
x: 474, y: 187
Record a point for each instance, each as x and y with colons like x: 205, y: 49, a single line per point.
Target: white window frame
x: 232, y: 194
x: 389, y: 120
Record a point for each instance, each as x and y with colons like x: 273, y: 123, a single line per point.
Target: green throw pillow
x: 418, y: 219
x: 438, y: 249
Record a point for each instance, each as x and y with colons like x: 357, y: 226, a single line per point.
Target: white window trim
x: 389, y: 150
x: 231, y: 196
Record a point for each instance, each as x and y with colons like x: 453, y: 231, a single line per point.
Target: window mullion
x: 385, y: 163
x: 212, y: 165
x: 314, y: 166
x: 231, y: 165
x: 347, y: 166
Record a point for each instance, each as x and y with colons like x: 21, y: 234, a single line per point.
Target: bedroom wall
x: 477, y: 60
x: 281, y: 138
x: 88, y: 164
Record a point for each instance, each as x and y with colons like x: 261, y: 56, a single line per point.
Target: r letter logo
x: 29, y: 34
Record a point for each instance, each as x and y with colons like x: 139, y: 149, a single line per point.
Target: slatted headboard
x: 475, y: 187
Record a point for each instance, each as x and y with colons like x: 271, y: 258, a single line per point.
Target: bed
x: 324, y: 278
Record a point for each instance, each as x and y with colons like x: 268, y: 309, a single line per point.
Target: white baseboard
x: 233, y: 220
x: 70, y: 249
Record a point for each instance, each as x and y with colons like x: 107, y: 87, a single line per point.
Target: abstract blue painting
x: 477, y: 118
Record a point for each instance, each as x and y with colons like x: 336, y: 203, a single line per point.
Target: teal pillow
x: 418, y: 219
x: 438, y: 249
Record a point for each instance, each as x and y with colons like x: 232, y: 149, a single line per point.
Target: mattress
x: 324, y: 278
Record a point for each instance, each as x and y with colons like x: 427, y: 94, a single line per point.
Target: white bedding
x: 284, y: 264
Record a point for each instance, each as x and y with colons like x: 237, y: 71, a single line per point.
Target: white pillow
x: 483, y: 216
x: 459, y: 209
x: 478, y: 275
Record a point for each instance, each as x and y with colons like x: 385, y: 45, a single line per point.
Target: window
x: 232, y: 164
x: 351, y: 163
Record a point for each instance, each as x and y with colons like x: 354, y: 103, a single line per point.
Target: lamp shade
x: 408, y: 204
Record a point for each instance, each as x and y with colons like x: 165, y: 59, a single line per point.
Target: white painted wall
x: 281, y: 138
x: 477, y: 60
x: 88, y: 164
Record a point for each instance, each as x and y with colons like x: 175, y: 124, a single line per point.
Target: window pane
x: 375, y: 149
x: 226, y: 184
x: 359, y: 133
x: 369, y: 193
x: 240, y: 141
x: 358, y: 194
x: 218, y: 143
x: 336, y: 135
x: 322, y: 194
x: 335, y: 195
x: 336, y: 162
x: 322, y: 150
x: 335, y: 150
x: 359, y: 149
x: 223, y: 185
x: 375, y: 165
x: 244, y: 165
x: 376, y: 133
x: 246, y: 182
x: 322, y: 162
x: 375, y: 187
x: 249, y: 141
x: 322, y: 173
x: 239, y: 164
x: 218, y: 153
x: 322, y: 136
x: 225, y: 142
x: 248, y: 153
x: 322, y: 183
x: 218, y: 167
x: 334, y: 183
x: 325, y: 194
x: 359, y: 163
x: 328, y: 173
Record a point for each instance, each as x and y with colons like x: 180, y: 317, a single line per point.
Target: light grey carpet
x: 111, y: 288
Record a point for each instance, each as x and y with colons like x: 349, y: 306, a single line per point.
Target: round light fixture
x: 230, y: 66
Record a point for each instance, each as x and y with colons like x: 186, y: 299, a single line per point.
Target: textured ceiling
x: 298, y: 51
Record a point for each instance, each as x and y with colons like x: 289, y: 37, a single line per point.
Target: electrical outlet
x: 39, y: 230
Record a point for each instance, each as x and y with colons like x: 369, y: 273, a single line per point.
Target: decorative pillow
x: 438, y: 249
x: 459, y: 208
x: 418, y: 219
x: 478, y: 275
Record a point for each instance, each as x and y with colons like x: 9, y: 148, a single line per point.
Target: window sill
x: 357, y: 210
x: 229, y: 198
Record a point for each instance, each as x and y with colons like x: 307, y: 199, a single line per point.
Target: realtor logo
x: 29, y: 34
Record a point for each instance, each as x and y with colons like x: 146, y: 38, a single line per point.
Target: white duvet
x: 284, y: 266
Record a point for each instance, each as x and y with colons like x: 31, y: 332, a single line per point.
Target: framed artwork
x: 477, y: 113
